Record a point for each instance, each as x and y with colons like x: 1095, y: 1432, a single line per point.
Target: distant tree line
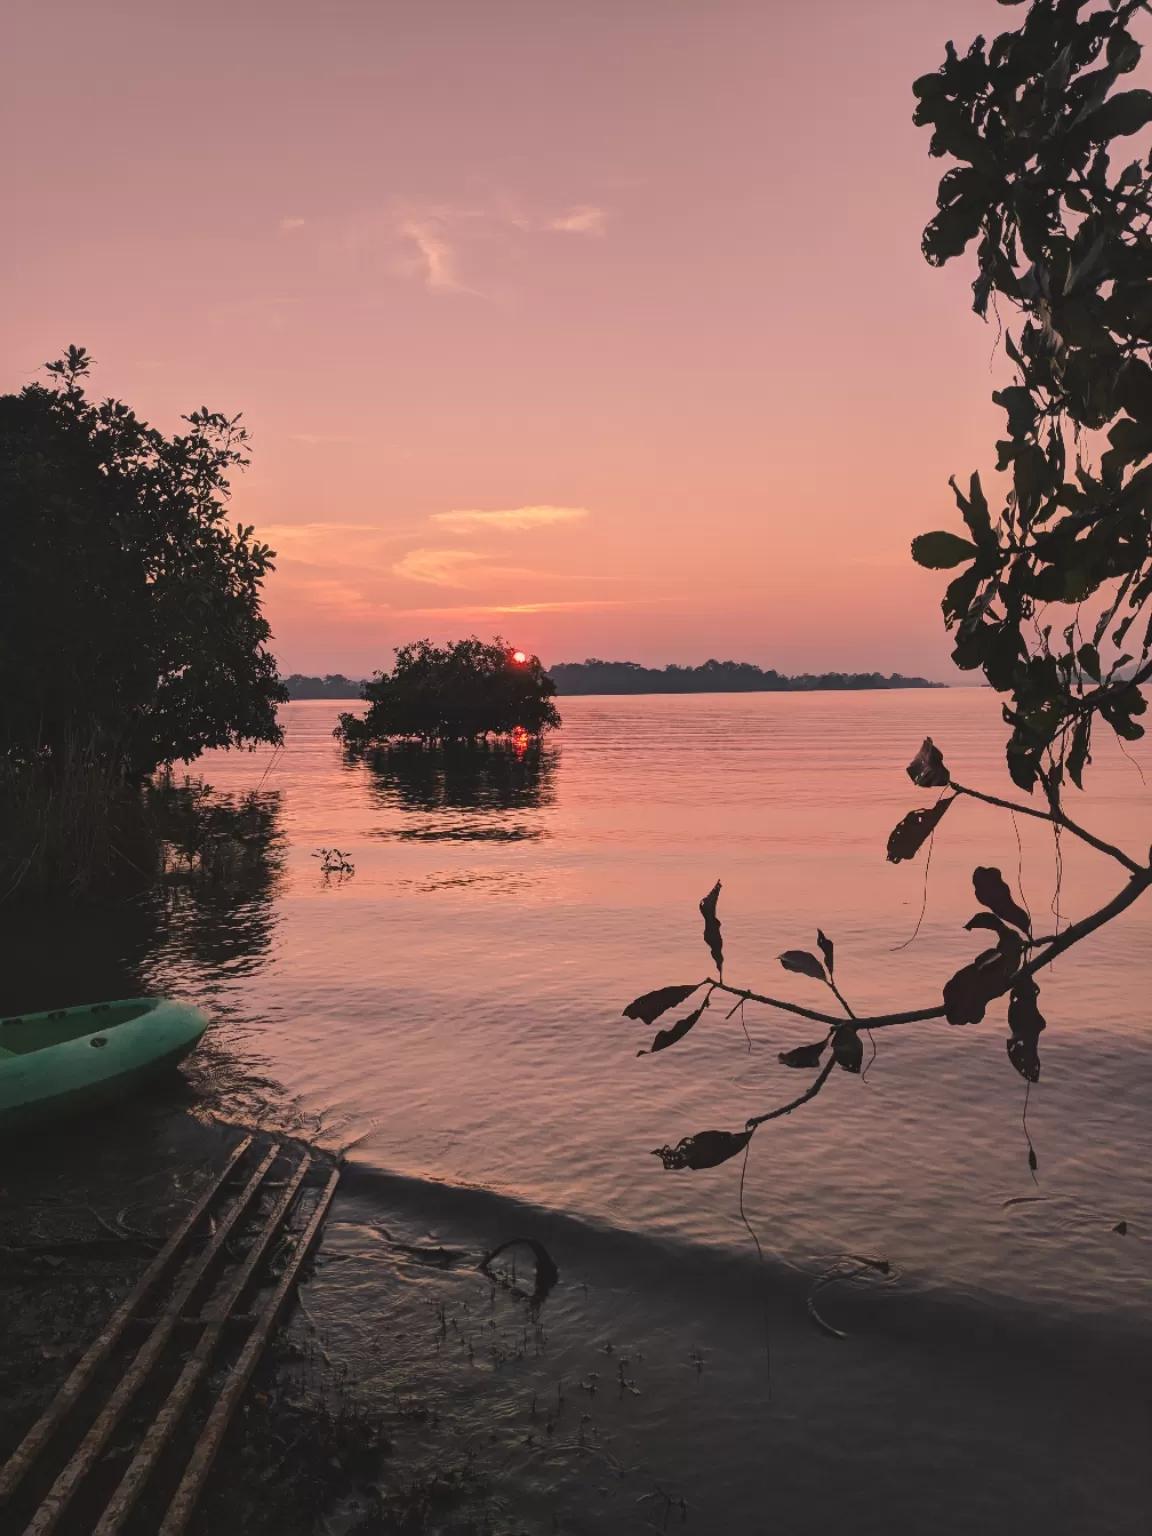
x: 593, y: 676
x: 334, y: 685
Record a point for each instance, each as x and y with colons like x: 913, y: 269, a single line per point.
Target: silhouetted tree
x: 463, y: 692
x: 1056, y: 582
x: 130, y: 617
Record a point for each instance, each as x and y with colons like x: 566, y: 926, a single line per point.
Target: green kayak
x: 60, y: 1063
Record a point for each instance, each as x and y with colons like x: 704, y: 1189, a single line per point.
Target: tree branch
x: 786, y: 1109
x: 1135, y: 888
x: 1057, y: 818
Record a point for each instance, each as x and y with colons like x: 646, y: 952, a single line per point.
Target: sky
x: 603, y: 327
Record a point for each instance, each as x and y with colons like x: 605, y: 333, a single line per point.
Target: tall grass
x: 71, y: 830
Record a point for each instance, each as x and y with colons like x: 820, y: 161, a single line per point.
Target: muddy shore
x: 82, y: 1212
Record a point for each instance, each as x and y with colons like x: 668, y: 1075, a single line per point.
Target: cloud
x: 288, y: 225
x: 577, y: 605
x: 436, y: 254
x: 585, y: 220
x: 440, y: 567
x: 511, y: 518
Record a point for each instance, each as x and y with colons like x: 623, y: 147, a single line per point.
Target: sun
x: 519, y: 656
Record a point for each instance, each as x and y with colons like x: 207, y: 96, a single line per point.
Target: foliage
x: 334, y: 685
x: 1057, y: 583
x: 593, y: 676
x: 463, y: 692
x: 130, y: 615
x: 1053, y: 584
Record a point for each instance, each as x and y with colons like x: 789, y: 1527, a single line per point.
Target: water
x: 451, y: 1013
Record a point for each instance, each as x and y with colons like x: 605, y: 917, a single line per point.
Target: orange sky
x: 603, y: 326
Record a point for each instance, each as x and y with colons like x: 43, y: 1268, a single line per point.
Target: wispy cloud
x: 436, y: 257
x: 575, y: 605
x: 287, y: 226
x: 440, y: 567
x: 585, y: 220
x: 511, y: 518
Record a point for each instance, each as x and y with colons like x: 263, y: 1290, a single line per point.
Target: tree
x: 130, y: 617
x: 463, y: 692
x: 1052, y: 585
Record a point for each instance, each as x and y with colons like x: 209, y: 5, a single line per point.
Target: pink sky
x: 603, y: 326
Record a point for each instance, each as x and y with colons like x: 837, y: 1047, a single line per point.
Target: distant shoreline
x: 628, y: 677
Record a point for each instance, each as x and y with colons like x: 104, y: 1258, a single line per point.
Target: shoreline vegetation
x: 621, y: 677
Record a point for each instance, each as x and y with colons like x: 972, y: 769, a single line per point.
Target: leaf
x: 848, y: 1049
x: 677, y: 1031
x: 804, y: 1055
x: 649, y: 1007
x: 803, y: 963
x: 927, y: 770
x: 939, y: 551
x: 913, y: 832
x: 707, y: 1149
x: 712, y: 927
x: 1024, y: 1056
x: 968, y: 993
x: 826, y: 949
x: 1089, y: 658
x: 992, y: 892
x: 1024, y: 1016
x: 1123, y: 114
x: 1079, y: 755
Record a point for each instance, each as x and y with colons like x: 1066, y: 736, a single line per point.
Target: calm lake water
x: 451, y: 1012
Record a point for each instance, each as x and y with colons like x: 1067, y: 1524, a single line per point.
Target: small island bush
x: 466, y: 691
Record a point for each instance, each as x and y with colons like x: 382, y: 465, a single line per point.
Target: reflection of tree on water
x: 201, y: 873
x: 221, y: 865
x: 493, y: 778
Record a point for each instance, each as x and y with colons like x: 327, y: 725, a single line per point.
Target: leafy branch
x: 1050, y: 585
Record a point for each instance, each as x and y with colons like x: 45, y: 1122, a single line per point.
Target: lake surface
x: 451, y: 1013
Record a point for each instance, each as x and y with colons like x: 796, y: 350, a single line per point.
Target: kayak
x: 64, y: 1062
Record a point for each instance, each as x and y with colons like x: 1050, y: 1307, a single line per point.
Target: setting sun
x: 519, y: 656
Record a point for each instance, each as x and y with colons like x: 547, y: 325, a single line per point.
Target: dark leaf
x: 1123, y: 114
x: 707, y: 1149
x: 1009, y: 942
x: 666, y: 1037
x: 1079, y: 755
x: 1025, y: 1057
x: 968, y: 993
x: 826, y: 949
x: 992, y: 892
x: 848, y: 1049
x: 804, y: 1055
x: 1032, y: 1162
x: 712, y: 927
x: 941, y: 550
x: 649, y: 1007
x: 927, y: 770
x: 803, y: 963
x: 914, y: 831
x: 1122, y: 1228
x: 1024, y: 1016
x: 1089, y: 658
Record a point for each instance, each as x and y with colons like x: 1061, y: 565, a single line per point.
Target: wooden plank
x: 54, y: 1505
x: 200, y: 1463
x: 40, y: 1433
x: 153, y: 1443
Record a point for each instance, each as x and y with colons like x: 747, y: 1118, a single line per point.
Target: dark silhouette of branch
x: 1057, y: 818
x: 786, y: 1109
